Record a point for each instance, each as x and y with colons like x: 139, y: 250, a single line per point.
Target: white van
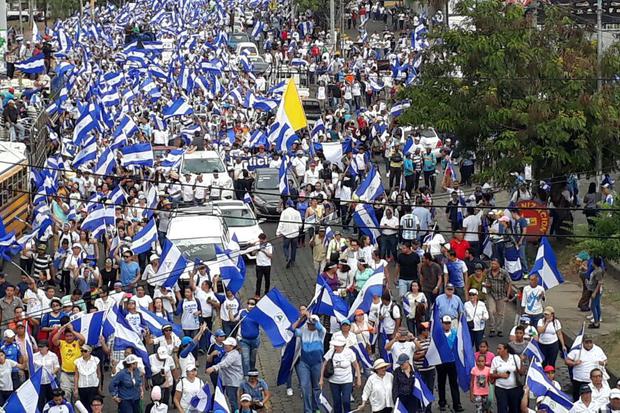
x: 247, y: 48
x: 197, y: 236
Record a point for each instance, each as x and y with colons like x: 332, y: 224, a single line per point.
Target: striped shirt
x: 419, y: 364
x: 41, y: 264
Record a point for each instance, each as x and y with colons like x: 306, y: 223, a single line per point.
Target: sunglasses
x: 84, y: 351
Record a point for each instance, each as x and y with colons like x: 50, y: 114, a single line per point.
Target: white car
x: 247, y: 48
x: 197, y: 236
x: 428, y: 138
x: 208, y: 163
x: 241, y: 221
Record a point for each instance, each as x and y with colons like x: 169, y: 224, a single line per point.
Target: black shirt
x: 408, y: 266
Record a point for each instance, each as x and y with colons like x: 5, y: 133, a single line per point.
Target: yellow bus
x: 14, y: 186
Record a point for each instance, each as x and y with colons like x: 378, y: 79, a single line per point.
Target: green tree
x: 517, y: 94
x: 607, y: 232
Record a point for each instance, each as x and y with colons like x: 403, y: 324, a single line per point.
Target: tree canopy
x: 518, y: 94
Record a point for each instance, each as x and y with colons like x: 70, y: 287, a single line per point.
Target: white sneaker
x: 289, y: 392
x: 590, y: 317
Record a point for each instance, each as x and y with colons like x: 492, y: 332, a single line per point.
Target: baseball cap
x: 230, y: 341
x: 549, y: 369
x: 186, y: 340
x: 9, y: 334
x: 614, y: 394
x: 219, y: 333
x: 449, y: 286
x: 585, y: 388
x: 245, y: 398
x: 446, y: 319
x: 473, y: 291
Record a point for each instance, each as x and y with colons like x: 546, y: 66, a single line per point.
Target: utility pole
x: 332, y: 24
x: 599, y: 81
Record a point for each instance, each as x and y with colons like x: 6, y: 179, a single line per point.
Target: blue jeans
x: 231, y: 395
x: 249, y: 347
x: 341, y: 394
x: 596, y: 307
x: 403, y: 287
x: 309, y: 380
x: 388, y: 246
x: 290, y: 249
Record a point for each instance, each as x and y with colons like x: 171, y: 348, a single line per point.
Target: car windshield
x: 428, y: 133
x: 239, y: 37
x: 238, y: 217
x: 203, y: 248
x: 202, y: 165
x: 266, y: 181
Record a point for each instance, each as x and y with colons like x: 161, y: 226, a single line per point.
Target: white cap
x: 76, y: 245
x: 9, y: 334
x: 245, y: 398
x: 473, y: 291
x: 614, y: 394
x: 153, y: 257
x: 338, y: 342
x: 230, y: 341
x: 131, y: 359
x: 446, y: 319
x: 190, y: 367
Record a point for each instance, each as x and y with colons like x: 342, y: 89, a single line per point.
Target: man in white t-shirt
x: 409, y: 226
x: 472, y: 226
x: 532, y: 301
x: 402, y: 343
x: 583, y: 361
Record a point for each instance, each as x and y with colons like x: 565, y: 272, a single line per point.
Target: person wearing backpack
x: 389, y: 318
x: 187, y: 388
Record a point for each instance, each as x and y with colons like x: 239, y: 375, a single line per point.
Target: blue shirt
x: 63, y: 407
x: 125, y: 386
x: 12, y: 352
x: 50, y: 320
x: 255, y: 392
x: 129, y: 272
x: 451, y: 307
x: 311, y: 343
x: 249, y: 327
x: 456, y: 270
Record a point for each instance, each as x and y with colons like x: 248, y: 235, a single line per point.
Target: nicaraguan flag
x: 541, y: 386
x: 247, y: 198
x: 512, y: 263
x: 325, y: 403
x: 333, y: 152
x: 362, y: 355
x: 154, y: 323
x: 202, y: 401
x: 328, y: 303
x: 24, y: 398
x: 399, y: 108
x: 172, y: 265
x: 257, y: 30
x: 421, y: 391
x: 283, y: 178
x: 229, y: 271
x: 399, y: 407
x: 546, y: 266
x: 172, y: 159
x: 87, y: 154
x: 97, y: 220
x: 89, y: 119
x: 179, y: 107
x: 117, y: 195
x: 140, y: 154
x: 372, y: 287
x: 90, y: 326
x: 283, y: 136
x: 371, y: 187
x: 366, y: 220
x: 579, y: 338
x: 438, y: 350
x: 276, y: 315
x: 29, y: 340
x: 533, y: 350
x: 32, y: 65
x: 106, y: 162
x: 219, y: 400
x: 290, y: 354
x: 143, y: 239
x: 464, y: 356
x: 124, y: 336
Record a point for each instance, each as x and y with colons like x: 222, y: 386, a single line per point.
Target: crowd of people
x: 148, y: 83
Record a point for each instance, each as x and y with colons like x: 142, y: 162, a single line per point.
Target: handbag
x: 518, y: 376
x: 328, y: 371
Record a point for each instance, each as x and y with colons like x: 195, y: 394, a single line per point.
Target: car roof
x: 228, y: 204
x: 202, y: 155
x: 195, y: 226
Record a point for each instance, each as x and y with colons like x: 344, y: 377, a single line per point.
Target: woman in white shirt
x: 378, y: 389
x: 187, y: 388
x: 477, y: 315
x: 162, y: 367
x: 87, y: 375
x: 504, y: 370
x: 49, y: 361
x: 341, y: 381
x: 143, y: 300
x: 550, y: 336
x: 228, y: 312
x: 413, y: 301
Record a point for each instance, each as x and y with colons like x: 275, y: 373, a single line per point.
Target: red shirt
x: 459, y: 247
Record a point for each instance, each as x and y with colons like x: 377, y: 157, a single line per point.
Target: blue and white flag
x: 32, y: 65
x: 24, y: 399
x: 229, y: 271
x: 258, y: 29
x: 247, y: 198
x: 439, y: 351
x: 362, y: 355
x: 87, y: 154
x: 140, y: 154
x: 89, y: 119
x: 399, y: 108
x: 124, y: 336
x: 366, y: 220
x: 154, y: 323
x: 578, y: 338
x: 546, y: 266
x: 172, y: 265
x: 328, y: 303
x: 29, y: 341
x: 533, y: 350
x: 143, y: 239
x: 179, y: 107
x: 117, y: 195
x: 283, y: 177
x: 126, y: 129
x: 97, y: 220
x: 290, y: 354
x: 333, y: 152
x: 318, y: 128
x: 399, y: 407
x: 202, y: 401
x: 276, y: 315
x: 106, y: 162
x: 371, y: 187
x: 172, y: 159
x: 324, y: 403
x: 283, y: 135
x: 540, y: 385
x: 219, y: 400
x: 90, y: 326
x: 512, y: 263
x: 464, y: 356
x: 372, y: 287
x: 421, y: 390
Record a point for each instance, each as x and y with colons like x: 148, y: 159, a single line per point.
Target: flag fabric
x: 328, y: 303
x: 541, y: 386
x: 421, y: 391
x: 366, y: 221
x: 325, y: 403
x: 143, y: 239
x: 97, y: 220
x: 333, y: 152
x: 438, y: 350
x: 290, y: 354
x: 371, y: 187
x: 106, y: 162
x: 291, y: 111
x: 546, y: 266
x: 179, y: 107
x: 247, y: 198
x: 399, y: 108
x: 219, y: 400
x: 154, y: 323
x: 124, y: 336
x: 464, y: 356
x: 372, y: 287
x: 24, y: 399
x: 90, y: 326
x: 32, y: 65
x: 578, y: 338
x: 283, y: 178
x: 512, y: 263
x: 399, y: 407
x: 533, y: 350
x: 230, y: 273
x: 202, y: 401
x: 140, y: 154
x: 29, y: 340
x: 172, y: 265
x: 276, y: 315
x: 362, y: 355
